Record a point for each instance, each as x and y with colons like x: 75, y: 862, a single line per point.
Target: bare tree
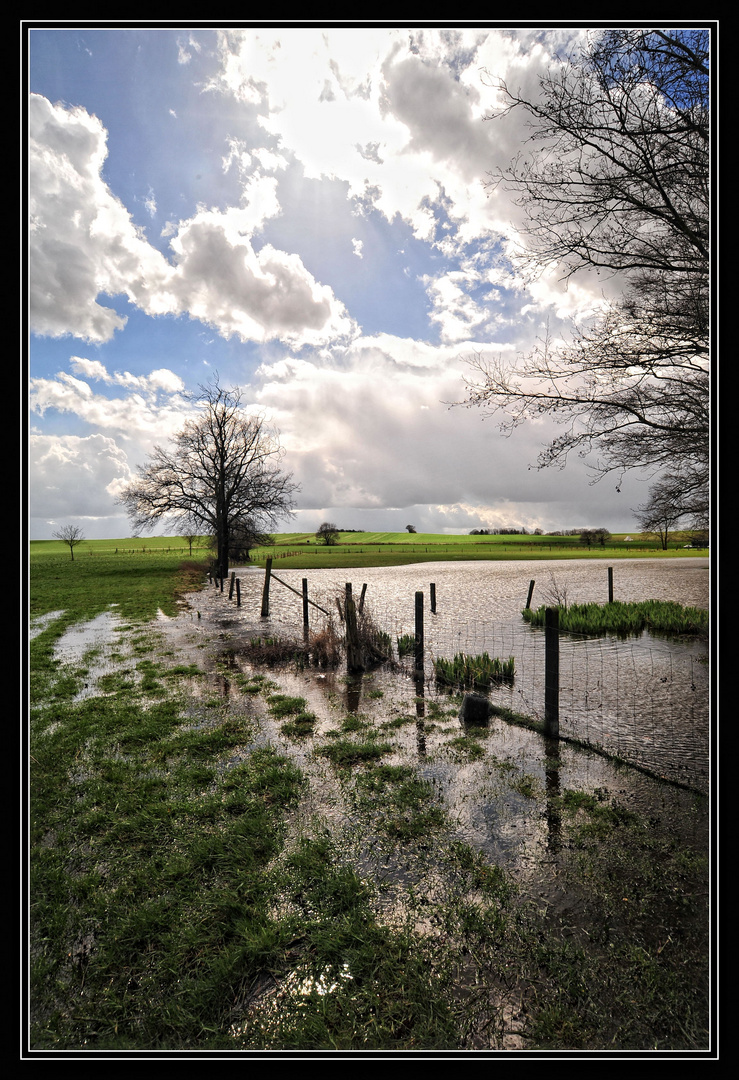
x: 327, y: 533
x: 662, y: 512
x: 71, y: 535
x: 618, y: 182
x: 189, y: 539
x: 222, y: 473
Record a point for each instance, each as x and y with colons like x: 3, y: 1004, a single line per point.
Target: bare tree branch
x: 618, y: 182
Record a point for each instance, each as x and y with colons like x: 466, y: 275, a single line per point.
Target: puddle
x: 42, y: 622
x: 81, y: 638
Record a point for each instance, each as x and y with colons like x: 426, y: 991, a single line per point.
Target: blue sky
x: 302, y: 211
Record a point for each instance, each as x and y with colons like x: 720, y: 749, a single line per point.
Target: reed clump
x: 406, y: 644
x: 475, y: 672
x: 657, y: 616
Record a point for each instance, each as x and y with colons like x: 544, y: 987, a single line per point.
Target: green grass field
x: 301, y: 551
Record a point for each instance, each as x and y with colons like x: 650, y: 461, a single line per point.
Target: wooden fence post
x: 531, y: 593
x: 419, y: 632
x: 232, y: 585
x: 432, y: 590
x: 610, y: 584
x: 265, y: 590
x: 305, y: 602
x: 551, y: 671
x: 238, y: 592
x: 353, y: 651
x: 361, y: 598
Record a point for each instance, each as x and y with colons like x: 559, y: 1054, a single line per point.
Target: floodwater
x: 643, y: 699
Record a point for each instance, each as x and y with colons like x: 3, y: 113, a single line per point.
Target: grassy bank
x: 192, y: 889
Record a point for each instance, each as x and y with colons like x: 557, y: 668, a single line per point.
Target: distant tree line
x: 506, y: 532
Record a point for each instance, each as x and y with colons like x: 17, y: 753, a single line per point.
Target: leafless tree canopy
x: 220, y: 476
x: 71, y: 535
x: 665, y: 508
x: 618, y: 181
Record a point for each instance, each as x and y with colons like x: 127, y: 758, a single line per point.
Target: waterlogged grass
x: 639, y: 979
x: 301, y: 722
x: 345, y: 752
x: 162, y: 912
x: 657, y: 616
x: 182, y: 899
x: 136, y: 585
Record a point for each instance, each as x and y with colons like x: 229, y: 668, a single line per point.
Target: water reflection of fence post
x: 265, y: 590
x: 551, y: 671
x: 419, y: 632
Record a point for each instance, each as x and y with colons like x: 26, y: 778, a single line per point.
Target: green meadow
x: 301, y: 551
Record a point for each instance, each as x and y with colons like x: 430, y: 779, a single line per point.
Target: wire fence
x: 644, y: 700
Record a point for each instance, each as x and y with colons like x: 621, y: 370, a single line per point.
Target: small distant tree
x: 71, y: 535
x: 594, y: 536
x: 327, y: 533
x: 411, y: 528
x: 189, y: 539
x: 661, y: 513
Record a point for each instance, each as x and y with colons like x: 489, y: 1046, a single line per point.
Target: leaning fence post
x: 265, y: 590
x: 531, y: 593
x: 361, y: 598
x: 551, y: 671
x: 419, y: 632
x: 231, y: 585
x: 610, y: 584
x: 305, y: 602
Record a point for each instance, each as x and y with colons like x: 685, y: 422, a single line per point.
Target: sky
x: 304, y: 213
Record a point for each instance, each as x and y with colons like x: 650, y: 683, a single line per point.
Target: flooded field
x: 587, y: 840
x: 656, y: 721
x: 644, y: 699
